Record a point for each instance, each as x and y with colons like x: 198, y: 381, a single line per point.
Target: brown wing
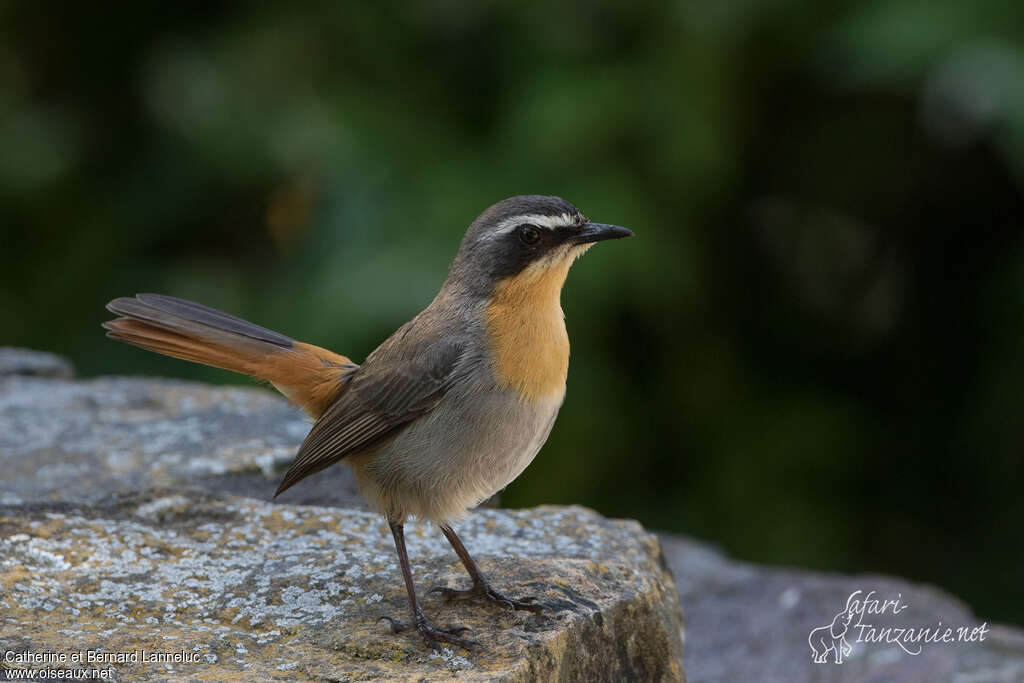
x: 382, y: 396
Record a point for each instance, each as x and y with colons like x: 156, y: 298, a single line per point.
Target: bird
x: 448, y: 410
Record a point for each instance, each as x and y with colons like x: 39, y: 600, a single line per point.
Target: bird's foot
x: 431, y: 634
x: 482, y: 590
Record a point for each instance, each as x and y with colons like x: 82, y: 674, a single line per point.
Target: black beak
x: 597, y: 232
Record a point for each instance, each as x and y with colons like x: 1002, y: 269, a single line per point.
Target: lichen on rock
x: 245, y: 589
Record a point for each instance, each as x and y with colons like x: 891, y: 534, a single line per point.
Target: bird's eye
x: 529, y: 235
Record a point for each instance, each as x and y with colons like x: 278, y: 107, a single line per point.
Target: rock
x: 750, y: 623
x: 26, y: 362
x: 75, y: 440
x: 278, y: 591
x: 246, y: 590
x: 292, y: 591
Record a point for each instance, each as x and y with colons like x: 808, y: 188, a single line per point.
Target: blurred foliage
x: 812, y: 353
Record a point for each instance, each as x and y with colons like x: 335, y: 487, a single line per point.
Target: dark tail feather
x: 171, y: 312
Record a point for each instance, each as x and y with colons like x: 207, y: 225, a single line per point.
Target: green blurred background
x: 812, y: 352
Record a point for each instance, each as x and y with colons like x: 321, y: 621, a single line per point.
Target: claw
x: 396, y: 625
x: 432, y: 634
x: 484, y: 591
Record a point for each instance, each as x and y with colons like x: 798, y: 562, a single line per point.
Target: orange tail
x: 308, y: 375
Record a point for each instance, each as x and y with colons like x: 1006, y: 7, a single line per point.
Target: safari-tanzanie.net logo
x: 864, y: 620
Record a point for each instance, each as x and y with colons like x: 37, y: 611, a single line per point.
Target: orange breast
x: 526, y: 327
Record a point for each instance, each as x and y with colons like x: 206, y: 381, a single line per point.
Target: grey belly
x: 459, y: 454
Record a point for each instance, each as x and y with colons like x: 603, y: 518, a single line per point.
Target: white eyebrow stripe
x: 540, y: 220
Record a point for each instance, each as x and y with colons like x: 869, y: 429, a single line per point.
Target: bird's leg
x: 430, y: 634
x: 482, y: 588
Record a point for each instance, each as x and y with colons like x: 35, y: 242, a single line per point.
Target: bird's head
x: 525, y: 237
